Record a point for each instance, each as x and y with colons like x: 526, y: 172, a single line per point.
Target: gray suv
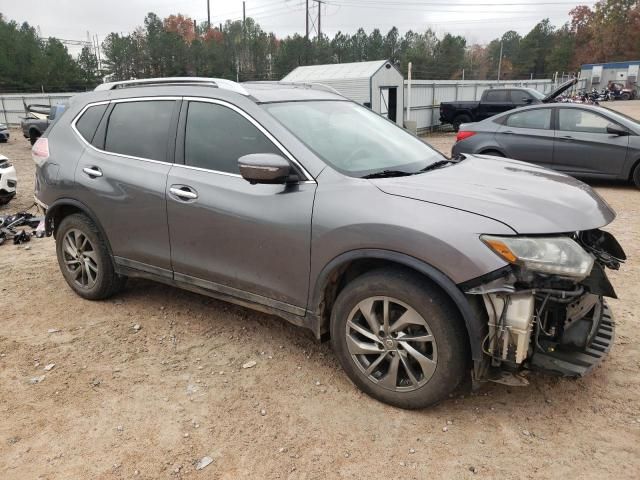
x: 423, y: 271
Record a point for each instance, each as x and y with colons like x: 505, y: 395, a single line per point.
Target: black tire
x: 495, y: 153
x: 444, y: 324
x: 635, y: 176
x: 625, y: 96
x: 106, y: 281
x: 459, y: 120
x: 34, y: 135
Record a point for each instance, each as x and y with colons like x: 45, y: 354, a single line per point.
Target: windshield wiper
x: 388, y: 173
x: 436, y: 165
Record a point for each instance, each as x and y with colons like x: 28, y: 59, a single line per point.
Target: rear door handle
x: 93, y: 172
x: 508, y: 132
x: 567, y: 137
x: 183, y: 192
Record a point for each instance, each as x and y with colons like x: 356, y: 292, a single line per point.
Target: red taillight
x: 40, y: 151
x: 462, y: 135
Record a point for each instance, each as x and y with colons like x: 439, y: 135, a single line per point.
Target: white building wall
x: 388, y: 77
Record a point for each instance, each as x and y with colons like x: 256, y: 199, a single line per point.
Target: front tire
x: 84, y: 259
x: 635, y: 177
x: 399, y: 338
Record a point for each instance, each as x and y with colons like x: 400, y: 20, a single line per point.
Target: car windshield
x: 538, y: 95
x: 353, y: 139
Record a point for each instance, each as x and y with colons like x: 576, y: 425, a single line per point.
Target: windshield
x: 535, y: 93
x: 353, y: 139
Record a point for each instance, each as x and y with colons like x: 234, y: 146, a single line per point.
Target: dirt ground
x: 123, y: 403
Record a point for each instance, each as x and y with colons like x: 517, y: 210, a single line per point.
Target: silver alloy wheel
x: 391, y: 343
x: 80, y: 258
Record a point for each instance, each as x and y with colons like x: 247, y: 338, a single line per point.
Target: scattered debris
x: 263, y: 412
x: 10, y: 224
x: 445, y: 429
x: 412, y: 450
x: 53, y: 330
x: 449, y: 422
x: 95, y: 382
x: 250, y: 364
x: 120, y: 428
x: 137, y: 327
x: 473, y: 470
x: 204, y: 462
x: 526, y: 433
x: 49, y: 367
x: 35, y: 380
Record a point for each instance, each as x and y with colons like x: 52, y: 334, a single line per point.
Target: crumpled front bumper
x: 577, y: 363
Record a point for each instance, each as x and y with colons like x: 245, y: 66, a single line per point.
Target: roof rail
x: 213, y: 82
x: 312, y: 85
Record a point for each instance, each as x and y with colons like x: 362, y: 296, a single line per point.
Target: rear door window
x: 140, y: 129
x: 537, y: 119
x: 89, y: 121
x: 520, y: 97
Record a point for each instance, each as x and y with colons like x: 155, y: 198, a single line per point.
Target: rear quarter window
x: 88, y: 123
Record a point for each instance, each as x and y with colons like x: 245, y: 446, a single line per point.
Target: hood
x: 527, y: 198
x: 554, y: 93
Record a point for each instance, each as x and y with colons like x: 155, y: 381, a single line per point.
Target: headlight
x: 555, y: 255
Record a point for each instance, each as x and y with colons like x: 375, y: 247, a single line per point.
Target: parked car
x: 8, y: 180
x: 4, y: 133
x: 581, y: 140
x: 494, y: 101
x: 37, y: 120
x: 295, y: 201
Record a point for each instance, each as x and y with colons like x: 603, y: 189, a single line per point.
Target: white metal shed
x: 378, y: 85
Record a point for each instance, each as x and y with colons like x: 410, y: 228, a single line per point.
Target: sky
x: 479, y: 21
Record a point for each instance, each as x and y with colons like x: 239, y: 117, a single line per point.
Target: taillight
x: 462, y: 135
x: 40, y: 151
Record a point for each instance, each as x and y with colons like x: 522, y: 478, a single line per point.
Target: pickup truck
x: 494, y: 101
x: 37, y: 119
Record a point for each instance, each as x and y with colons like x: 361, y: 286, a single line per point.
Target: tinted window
x: 89, y: 121
x: 540, y: 119
x: 140, y: 129
x: 520, y: 97
x: 497, y: 96
x: 577, y: 120
x: 216, y: 137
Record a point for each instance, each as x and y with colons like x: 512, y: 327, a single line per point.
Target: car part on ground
x: 8, y: 180
x: 12, y: 227
x: 581, y: 140
x: 422, y: 270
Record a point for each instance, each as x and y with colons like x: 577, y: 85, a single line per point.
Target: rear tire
x: 459, y: 120
x: 84, y: 259
x: 408, y: 374
x: 625, y: 96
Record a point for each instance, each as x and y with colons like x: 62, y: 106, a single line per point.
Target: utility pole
x: 307, y: 21
x: 319, y: 19
x: 208, y: 16
x: 500, y: 62
x: 244, y: 16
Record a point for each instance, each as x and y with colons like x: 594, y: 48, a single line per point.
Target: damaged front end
x: 546, y: 310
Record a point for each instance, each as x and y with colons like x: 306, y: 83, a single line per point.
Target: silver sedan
x: 581, y: 140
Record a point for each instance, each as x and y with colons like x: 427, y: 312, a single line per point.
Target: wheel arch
x: 635, y: 164
x: 64, y: 207
x: 488, y: 150
x: 348, y: 266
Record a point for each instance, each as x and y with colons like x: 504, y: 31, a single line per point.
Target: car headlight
x: 554, y: 255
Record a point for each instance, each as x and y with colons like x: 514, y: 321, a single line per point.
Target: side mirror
x: 264, y: 168
x: 527, y: 100
x: 614, y: 129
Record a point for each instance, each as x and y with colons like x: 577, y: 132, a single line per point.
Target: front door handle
x: 509, y: 132
x: 183, y: 192
x: 93, y: 172
x: 567, y: 137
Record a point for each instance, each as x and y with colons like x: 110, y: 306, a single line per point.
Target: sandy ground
x: 121, y: 403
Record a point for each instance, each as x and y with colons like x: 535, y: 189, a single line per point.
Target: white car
x: 8, y: 180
